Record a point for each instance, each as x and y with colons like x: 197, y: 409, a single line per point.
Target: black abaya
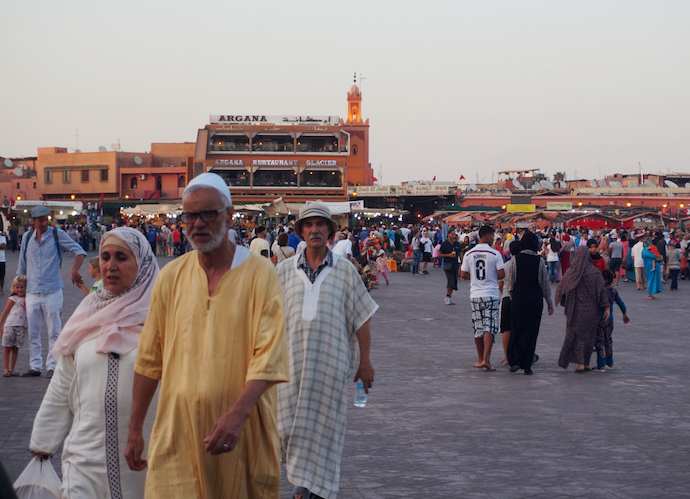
x: 526, y: 310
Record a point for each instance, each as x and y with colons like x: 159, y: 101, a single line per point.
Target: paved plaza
x: 435, y: 426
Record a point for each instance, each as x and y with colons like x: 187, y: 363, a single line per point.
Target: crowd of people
x: 237, y: 355
x: 196, y: 380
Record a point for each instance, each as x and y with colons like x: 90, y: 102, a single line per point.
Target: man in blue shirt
x: 293, y: 239
x: 40, y: 261
x: 151, y: 235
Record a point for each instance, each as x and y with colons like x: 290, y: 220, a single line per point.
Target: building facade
x: 114, y: 176
x: 298, y: 158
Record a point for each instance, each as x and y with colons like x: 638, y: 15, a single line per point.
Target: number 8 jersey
x: 483, y: 263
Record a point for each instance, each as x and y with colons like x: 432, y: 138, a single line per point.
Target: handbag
x: 38, y: 481
x: 626, y: 265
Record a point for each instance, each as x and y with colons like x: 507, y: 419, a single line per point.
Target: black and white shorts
x: 485, y: 315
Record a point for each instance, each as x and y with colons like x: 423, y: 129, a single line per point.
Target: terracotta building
x: 298, y: 158
x: 114, y: 176
x: 19, y: 181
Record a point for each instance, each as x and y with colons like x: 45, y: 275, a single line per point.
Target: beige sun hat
x: 314, y: 210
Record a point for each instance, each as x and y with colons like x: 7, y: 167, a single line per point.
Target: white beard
x: 214, y: 243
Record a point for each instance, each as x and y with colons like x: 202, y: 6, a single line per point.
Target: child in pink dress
x: 381, y: 263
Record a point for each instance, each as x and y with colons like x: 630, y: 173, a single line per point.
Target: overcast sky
x: 450, y: 88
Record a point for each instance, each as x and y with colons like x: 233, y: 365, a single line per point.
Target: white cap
x: 212, y: 180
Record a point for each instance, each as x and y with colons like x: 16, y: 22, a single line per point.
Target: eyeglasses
x: 206, y: 216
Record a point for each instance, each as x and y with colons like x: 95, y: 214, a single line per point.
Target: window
x: 85, y: 175
x: 275, y: 178
x: 133, y: 183
x: 34, y: 185
x: 238, y: 142
x: 66, y: 177
x: 273, y: 143
x: 318, y: 178
x: 181, y: 182
x: 104, y: 175
x: 49, y: 177
x: 317, y: 143
x: 17, y: 188
x: 235, y: 177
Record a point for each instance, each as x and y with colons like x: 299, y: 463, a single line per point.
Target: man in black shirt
x: 450, y: 252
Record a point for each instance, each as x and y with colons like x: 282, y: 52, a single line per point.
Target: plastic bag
x: 38, y: 481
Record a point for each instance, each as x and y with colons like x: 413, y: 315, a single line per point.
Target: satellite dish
x: 18, y: 172
x: 536, y: 186
x: 632, y: 183
x: 597, y: 193
x: 617, y: 185
x: 670, y: 184
x: 522, y: 187
x: 516, y: 184
x: 77, y: 150
x: 138, y: 160
x: 563, y: 185
x: 8, y: 163
x: 670, y: 194
x: 648, y: 183
x: 593, y: 183
x: 687, y: 185
x: 602, y: 183
x: 548, y: 185
x: 101, y: 149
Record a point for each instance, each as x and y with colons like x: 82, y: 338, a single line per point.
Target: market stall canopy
x: 51, y: 205
x: 153, y: 209
x: 275, y: 207
x: 465, y: 217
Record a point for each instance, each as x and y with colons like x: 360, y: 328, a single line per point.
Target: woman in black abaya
x: 528, y: 283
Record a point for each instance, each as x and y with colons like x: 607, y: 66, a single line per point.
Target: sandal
x: 14, y: 373
x: 301, y: 491
x: 6, y: 373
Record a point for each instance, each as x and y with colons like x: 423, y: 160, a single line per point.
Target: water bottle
x: 360, y: 395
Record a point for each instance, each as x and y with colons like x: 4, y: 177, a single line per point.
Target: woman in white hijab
x: 89, y: 400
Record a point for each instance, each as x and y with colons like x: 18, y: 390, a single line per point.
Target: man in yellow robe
x: 215, y: 338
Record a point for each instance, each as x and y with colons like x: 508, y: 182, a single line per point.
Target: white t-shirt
x: 551, y: 255
x: 406, y: 235
x: 483, y: 263
x: 301, y: 247
x: 232, y: 235
x: 638, y: 261
x: 3, y: 240
x: 258, y: 245
x: 427, y: 244
x: 343, y: 248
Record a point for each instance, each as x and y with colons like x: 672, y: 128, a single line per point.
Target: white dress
x: 89, y: 401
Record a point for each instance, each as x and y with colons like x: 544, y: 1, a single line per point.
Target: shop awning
x: 51, y: 205
x: 153, y: 209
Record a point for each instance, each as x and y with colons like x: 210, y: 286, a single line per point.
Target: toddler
x: 14, y: 325
x: 604, y: 343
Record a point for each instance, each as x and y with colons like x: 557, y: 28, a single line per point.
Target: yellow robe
x: 204, y: 349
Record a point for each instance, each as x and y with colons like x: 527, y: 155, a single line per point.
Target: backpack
x: 55, y: 238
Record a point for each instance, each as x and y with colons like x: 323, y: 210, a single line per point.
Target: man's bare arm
x: 365, y: 372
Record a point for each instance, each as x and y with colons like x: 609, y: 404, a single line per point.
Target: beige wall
x: 75, y: 185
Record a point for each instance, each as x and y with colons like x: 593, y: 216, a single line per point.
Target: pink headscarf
x: 115, y: 320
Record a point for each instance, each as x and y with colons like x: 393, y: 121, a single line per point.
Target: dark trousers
x: 674, y: 278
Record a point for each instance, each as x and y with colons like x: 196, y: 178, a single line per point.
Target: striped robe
x: 321, y: 323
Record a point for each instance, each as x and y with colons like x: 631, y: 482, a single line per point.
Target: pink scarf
x: 115, y: 320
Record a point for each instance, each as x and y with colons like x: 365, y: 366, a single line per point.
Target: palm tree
x: 559, y: 176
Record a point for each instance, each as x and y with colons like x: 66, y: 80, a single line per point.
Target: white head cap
x: 212, y: 180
